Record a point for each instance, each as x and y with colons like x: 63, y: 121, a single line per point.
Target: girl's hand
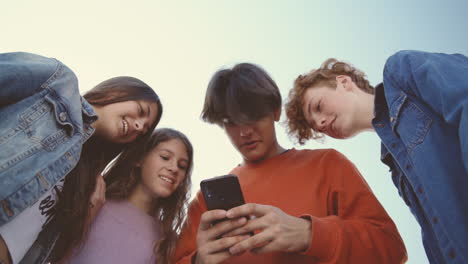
x: 97, y: 199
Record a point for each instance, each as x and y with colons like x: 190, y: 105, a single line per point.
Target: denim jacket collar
x: 380, y: 108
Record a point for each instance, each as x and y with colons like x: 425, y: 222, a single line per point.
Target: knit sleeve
x: 359, y: 230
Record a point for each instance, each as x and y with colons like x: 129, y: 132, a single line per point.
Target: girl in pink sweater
x: 148, y: 187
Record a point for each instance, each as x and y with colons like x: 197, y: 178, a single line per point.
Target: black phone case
x: 222, y: 192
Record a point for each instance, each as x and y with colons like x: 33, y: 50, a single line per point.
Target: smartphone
x: 222, y: 192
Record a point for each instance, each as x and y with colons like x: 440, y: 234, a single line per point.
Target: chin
x: 253, y: 157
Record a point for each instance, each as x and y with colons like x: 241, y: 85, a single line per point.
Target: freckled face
x: 330, y: 111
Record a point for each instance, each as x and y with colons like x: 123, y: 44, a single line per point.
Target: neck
x: 366, y: 112
x: 275, y: 150
x: 142, y: 200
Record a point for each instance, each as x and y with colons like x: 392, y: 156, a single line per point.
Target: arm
x: 22, y: 75
x: 440, y: 80
x: 360, y: 231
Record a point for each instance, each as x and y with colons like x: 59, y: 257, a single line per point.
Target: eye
x: 140, y: 110
x: 318, y: 106
x: 183, y: 165
x: 164, y: 157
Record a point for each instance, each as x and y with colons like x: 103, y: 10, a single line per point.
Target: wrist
x: 307, y: 233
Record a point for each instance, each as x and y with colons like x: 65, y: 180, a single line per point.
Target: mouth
x: 331, y: 128
x: 250, y: 144
x: 124, y: 127
x: 167, y: 179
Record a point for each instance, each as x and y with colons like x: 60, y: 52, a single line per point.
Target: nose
x: 139, y: 125
x: 172, y: 167
x: 321, y: 122
x: 245, y: 131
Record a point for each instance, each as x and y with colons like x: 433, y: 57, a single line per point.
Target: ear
x: 345, y: 81
x: 277, y: 114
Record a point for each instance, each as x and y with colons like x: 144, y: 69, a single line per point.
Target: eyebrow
x: 309, y: 112
x: 172, y: 153
x: 309, y: 106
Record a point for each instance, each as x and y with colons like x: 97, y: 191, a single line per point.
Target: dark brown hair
x: 240, y: 95
x: 324, y: 76
x: 71, y: 210
x: 124, y: 175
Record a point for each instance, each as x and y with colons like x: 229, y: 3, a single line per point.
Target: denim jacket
x: 421, y: 116
x: 43, y: 124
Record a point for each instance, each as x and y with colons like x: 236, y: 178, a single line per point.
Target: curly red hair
x: 297, y: 125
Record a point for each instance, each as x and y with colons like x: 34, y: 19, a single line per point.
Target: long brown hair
x: 123, y: 176
x: 71, y: 210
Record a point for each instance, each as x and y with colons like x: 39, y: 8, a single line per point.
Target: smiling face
x: 124, y: 122
x: 255, y: 141
x: 163, y: 169
x: 332, y: 111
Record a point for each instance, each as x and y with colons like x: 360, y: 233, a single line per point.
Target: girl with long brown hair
x: 147, y: 191
x: 54, y: 142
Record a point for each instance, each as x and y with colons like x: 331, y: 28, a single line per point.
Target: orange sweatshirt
x: 349, y: 225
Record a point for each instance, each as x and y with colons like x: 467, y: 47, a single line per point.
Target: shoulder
x: 32, y: 65
x: 33, y: 70
x: 324, y: 155
x: 405, y: 56
x: 406, y: 62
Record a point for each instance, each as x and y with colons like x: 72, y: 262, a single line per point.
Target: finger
x: 221, y: 245
x: 218, y: 257
x: 249, y: 227
x: 98, y: 190
x: 258, y: 240
x: 257, y: 210
x: 265, y: 248
x: 102, y: 187
x: 225, y: 226
x: 209, y: 217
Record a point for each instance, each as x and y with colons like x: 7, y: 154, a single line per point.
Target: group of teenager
x: 90, y: 179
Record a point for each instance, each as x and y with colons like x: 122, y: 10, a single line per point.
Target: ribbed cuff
x: 325, y: 238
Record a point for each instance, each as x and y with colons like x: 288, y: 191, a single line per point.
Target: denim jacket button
x: 63, y: 116
x: 380, y: 125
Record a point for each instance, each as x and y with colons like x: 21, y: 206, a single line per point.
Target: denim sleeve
x: 22, y: 74
x: 440, y: 80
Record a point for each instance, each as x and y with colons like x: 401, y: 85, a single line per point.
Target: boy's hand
x: 211, y: 247
x: 278, y: 230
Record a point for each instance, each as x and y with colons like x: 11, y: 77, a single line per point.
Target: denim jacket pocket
x: 408, y: 121
x: 27, y: 133
x: 61, y: 112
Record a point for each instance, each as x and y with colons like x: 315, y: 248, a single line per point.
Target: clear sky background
x: 176, y: 46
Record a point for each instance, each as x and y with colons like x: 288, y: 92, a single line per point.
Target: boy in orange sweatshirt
x: 309, y: 206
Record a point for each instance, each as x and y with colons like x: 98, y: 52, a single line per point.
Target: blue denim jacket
x: 43, y: 124
x: 421, y: 116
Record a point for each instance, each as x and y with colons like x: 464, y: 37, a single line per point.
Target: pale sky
x: 175, y: 47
